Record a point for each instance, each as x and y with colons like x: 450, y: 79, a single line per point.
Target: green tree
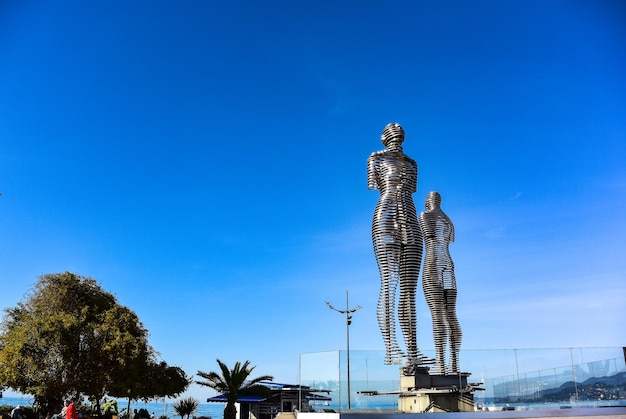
x: 186, y: 407
x: 158, y: 380
x: 233, y: 384
x: 68, y: 337
x: 109, y: 408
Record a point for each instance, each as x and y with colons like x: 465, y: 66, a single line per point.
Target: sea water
x: 212, y: 410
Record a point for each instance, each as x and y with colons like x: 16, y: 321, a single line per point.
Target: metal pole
x: 347, y: 312
x: 348, y: 346
x: 300, y: 382
x: 571, y: 355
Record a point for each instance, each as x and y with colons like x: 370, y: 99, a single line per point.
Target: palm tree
x: 185, y: 407
x: 234, y: 384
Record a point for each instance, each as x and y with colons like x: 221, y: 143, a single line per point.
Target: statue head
x: 392, y: 131
x: 433, y: 200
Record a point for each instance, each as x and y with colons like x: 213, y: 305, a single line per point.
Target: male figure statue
x: 439, y: 283
x: 397, y: 240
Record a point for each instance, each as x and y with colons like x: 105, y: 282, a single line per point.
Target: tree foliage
x: 234, y: 383
x: 69, y: 336
x: 186, y: 407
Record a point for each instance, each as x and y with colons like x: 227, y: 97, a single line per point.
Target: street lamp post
x: 348, y: 313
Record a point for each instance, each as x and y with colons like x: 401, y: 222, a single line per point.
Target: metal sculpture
x: 439, y: 283
x: 397, y: 240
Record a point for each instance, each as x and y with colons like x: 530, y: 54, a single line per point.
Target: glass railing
x: 513, y: 378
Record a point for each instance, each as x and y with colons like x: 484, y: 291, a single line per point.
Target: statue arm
x: 371, y: 173
x: 452, y: 233
x: 414, y: 177
x: 451, y: 228
x: 427, y: 231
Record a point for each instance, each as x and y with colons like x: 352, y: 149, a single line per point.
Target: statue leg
x: 387, y: 257
x: 410, y: 261
x: 454, y: 328
x: 433, y: 291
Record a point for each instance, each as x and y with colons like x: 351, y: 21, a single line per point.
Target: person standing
x: 63, y: 411
x: 16, y: 413
x: 71, y: 412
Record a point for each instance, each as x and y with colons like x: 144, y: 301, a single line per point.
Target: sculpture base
x: 422, y: 392
x: 430, y: 401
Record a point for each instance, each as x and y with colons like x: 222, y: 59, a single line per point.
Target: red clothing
x: 71, y: 413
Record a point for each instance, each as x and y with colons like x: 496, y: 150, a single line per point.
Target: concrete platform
x: 574, y: 413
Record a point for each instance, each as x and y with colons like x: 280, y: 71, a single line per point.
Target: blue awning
x: 275, y: 389
x: 243, y: 399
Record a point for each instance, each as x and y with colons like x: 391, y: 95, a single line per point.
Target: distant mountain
x: 595, y: 388
x: 605, y: 388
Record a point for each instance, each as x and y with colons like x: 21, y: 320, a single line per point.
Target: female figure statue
x: 439, y: 283
x: 397, y: 240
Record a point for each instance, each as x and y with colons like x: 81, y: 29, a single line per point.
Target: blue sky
x: 205, y: 161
